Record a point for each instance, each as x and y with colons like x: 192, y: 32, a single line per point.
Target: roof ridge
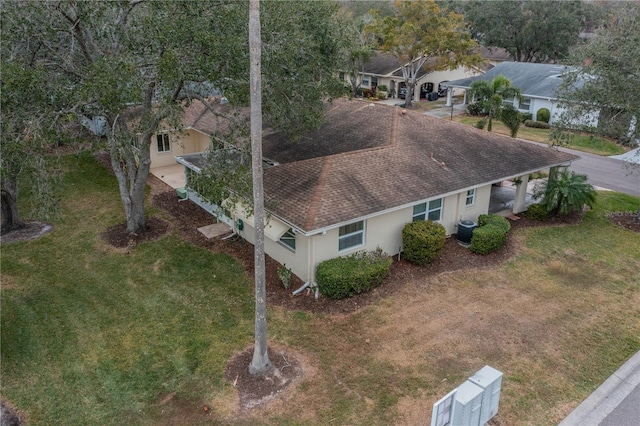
x: 317, y: 196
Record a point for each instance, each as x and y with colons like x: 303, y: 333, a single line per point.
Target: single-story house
x: 368, y: 170
x: 384, y: 69
x: 537, y: 82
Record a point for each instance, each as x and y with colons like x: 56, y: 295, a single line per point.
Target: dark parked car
x: 402, y: 93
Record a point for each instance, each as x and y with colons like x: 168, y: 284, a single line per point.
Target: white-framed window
x: 350, y: 236
x: 431, y: 210
x: 366, y: 80
x: 525, y: 105
x: 289, y: 239
x: 471, y: 197
x: 164, y: 144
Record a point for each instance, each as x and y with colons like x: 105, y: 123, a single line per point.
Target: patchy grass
x: 94, y: 335
x: 581, y: 142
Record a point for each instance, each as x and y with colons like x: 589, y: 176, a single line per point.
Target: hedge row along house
x: 368, y: 170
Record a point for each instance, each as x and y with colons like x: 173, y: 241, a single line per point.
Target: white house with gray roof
x: 537, y: 82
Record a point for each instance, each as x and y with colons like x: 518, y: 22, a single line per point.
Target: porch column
x: 449, y: 97
x: 464, y: 101
x: 521, y: 195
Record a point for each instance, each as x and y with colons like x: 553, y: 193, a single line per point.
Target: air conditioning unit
x: 465, y: 231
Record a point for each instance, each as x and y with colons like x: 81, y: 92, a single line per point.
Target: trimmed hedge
x: 536, y: 212
x: 537, y: 124
x: 422, y: 241
x: 476, y: 108
x: 524, y: 116
x: 490, y: 235
x: 543, y: 115
x: 342, y: 277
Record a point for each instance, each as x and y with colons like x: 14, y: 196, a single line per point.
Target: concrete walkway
x: 615, y: 403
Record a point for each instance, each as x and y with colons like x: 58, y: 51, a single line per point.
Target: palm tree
x: 565, y: 192
x: 492, y: 95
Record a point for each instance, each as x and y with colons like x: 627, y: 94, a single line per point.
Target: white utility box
x: 468, y: 405
x: 490, y: 380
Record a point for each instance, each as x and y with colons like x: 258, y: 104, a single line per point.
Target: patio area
x: 503, y: 196
x: 172, y: 175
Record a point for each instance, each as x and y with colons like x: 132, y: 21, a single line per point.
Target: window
x: 341, y: 76
x: 431, y: 210
x: 289, y: 239
x: 374, y: 81
x: 350, y: 236
x: 525, y: 105
x: 471, y: 197
x: 163, y: 142
x: 365, y: 80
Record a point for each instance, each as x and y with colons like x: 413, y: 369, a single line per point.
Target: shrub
x: 284, y: 274
x: 543, y: 115
x: 381, y: 94
x: 422, y: 241
x: 565, y: 193
x: 476, y: 108
x: 524, y: 116
x: 490, y: 235
x: 536, y: 212
x: 382, y: 88
x: 480, y: 124
x: 345, y: 276
x: 537, y: 124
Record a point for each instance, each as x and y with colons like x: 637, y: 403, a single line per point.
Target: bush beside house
x: 345, y: 276
x: 490, y: 235
x: 422, y: 241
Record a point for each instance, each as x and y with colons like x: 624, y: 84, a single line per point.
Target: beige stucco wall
x: 384, y: 231
x: 188, y: 142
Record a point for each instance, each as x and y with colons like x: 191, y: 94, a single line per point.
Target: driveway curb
x: 604, y: 400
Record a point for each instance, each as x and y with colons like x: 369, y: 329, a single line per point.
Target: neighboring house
x: 537, y: 82
x: 495, y: 55
x: 367, y: 171
x: 198, y: 124
x: 384, y: 70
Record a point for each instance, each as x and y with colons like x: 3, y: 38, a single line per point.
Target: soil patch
x: 30, y: 231
x: 118, y: 236
x: 256, y: 391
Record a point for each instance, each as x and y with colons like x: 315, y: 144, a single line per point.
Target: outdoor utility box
x: 468, y: 405
x: 490, y: 380
x: 182, y: 193
x: 465, y: 231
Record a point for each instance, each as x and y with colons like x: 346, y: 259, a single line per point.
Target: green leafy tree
x: 603, y: 94
x: 133, y: 63
x: 491, y: 96
x: 422, y: 34
x: 25, y: 124
x: 531, y: 30
x: 565, y: 192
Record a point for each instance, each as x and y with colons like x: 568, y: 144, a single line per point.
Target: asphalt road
x: 608, y: 173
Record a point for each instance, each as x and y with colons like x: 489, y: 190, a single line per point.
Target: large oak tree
x: 423, y: 34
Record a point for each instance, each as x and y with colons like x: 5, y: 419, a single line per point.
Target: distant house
x: 538, y: 83
x: 351, y: 186
x: 385, y: 70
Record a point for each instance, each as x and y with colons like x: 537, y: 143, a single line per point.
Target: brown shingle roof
x: 328, y: 180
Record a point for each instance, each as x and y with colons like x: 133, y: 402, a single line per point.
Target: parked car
x: 442, y: 90
x: 402, y: 93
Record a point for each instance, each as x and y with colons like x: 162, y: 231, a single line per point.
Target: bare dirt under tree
x: 289, y: 368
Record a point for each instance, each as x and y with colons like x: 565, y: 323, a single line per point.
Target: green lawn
x: 581, y: 142
x: 92, y: 335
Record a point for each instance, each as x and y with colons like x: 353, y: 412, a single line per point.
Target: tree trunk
x: 260, y: 363
x: 132, y: 181
x: 10, y: 215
